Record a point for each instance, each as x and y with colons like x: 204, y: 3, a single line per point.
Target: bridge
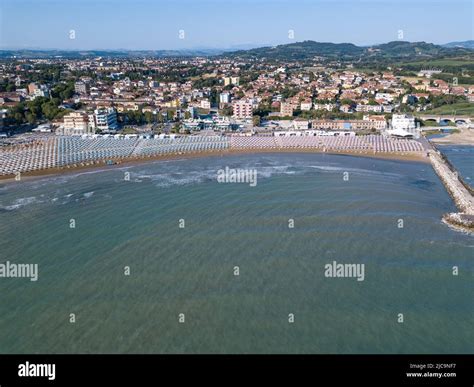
x: 442, y: 117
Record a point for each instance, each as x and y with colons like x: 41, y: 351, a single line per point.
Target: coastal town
x: 75, y: 113
x: 248, y: 177
x: 58, y: 111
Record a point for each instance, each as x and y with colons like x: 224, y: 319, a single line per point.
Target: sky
x: 186, y: 24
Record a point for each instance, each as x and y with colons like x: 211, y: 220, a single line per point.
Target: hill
x: 465, y: 44
x: 391, y: 51
x: 302, y: 50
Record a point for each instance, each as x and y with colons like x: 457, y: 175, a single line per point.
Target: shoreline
x: 453, y: 142
x: 125, y: 162
x: 464, y: 137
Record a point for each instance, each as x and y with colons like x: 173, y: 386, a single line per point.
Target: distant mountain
x: 302, y: 50
x: 69, y: 54
x: 396, y: 50
x: 465, y: 44
x: 306, y: 50
x: 402, y: 48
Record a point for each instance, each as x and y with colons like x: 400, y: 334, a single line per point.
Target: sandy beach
x: 464, y: 137
x: 98, y: 165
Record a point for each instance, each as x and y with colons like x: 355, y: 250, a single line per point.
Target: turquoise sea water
x: 190, y: 270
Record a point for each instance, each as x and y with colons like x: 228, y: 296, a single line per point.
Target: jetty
x: 459, y: 190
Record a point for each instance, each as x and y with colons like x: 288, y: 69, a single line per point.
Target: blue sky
x: 155, y: 24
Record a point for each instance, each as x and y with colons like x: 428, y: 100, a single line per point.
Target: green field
x: 462, y: 108
x: 440, y: 63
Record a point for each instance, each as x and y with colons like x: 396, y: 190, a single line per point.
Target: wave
x: 328, y: 168
x: 43, y: 198
x: 21, y: 202
x: 181, y: 172
x: 186, y: 177
x: 170, y: 176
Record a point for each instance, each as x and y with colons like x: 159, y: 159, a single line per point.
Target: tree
x: 30, y: 117
x: 214, y: 97
x: 256, y: 120
x: 34, y: 108
x: 63, y: 91
x: 170, y: 115
x: 149, y: 117
x: 227, y: 111
x: 49, y: 110
x: 347, y: 101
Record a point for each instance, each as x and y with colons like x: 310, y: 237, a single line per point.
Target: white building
x: 304, y: 133
x: 369, y: 108
x: 306, y: 105
x: 324, y: 106
x: 104, y: 119
x: 205, y: 104
x: 429, y: 73
x: 224, y: 98
x: 405, y: 122
x: 75, y: 123
x: 385, y: 96
x: 301, y: 124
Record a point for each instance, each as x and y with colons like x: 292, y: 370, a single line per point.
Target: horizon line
x: 227, y: 48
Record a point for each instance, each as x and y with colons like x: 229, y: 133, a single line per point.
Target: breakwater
x: 459, y: 190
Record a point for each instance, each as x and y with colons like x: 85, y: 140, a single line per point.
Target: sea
x: 161, y: 257
x: 462, y: 158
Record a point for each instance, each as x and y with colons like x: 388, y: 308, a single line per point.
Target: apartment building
x: 35, y: 90
x: 367, y: 124
x: 75, y: 123
x: 404, y: 122
x: 104, y: 119
x: 286, y: 109
x: 242, y: 109
x: 369, y: 108
x: 81, y: 87
x: 306, y: 105
x: 231, y: 81
x: 224, y: 98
